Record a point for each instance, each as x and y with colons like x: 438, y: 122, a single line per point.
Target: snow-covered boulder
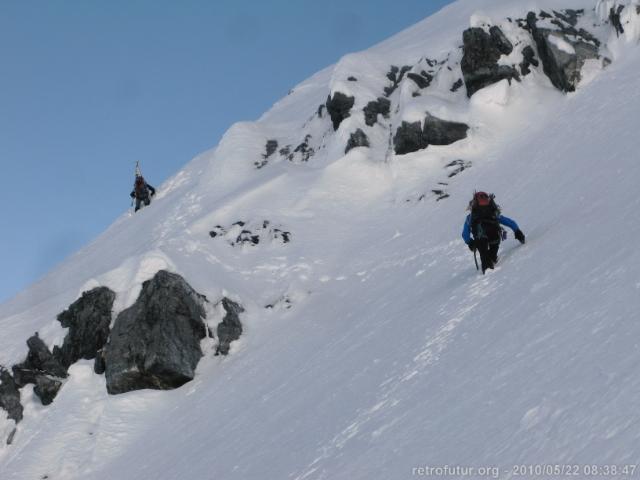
x: 155, y: 343
x: 482, y: 51
x: 88, y: 320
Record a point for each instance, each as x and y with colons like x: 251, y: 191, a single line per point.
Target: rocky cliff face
x: 401, y: 105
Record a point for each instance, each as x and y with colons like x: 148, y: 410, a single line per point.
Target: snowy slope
x: 395, y: 352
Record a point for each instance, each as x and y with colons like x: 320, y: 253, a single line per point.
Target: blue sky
x: 87, y: 87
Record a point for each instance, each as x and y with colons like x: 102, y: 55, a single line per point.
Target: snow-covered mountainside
x: 370, y: 347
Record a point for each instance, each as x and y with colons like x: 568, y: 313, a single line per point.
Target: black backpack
x: 140, y: 187
x: 485, y: 213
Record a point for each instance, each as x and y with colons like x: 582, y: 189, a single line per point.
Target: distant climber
x: 484, y: 223
x: 142, y: 192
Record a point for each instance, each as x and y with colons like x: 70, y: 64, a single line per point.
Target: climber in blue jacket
x: 484, y: 224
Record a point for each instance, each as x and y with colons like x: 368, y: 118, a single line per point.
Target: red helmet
x: 482, y: 199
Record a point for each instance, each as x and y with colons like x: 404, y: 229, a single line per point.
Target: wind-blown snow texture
x: 383, y: 349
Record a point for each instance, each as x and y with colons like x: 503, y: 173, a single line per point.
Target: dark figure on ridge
x: 142, y: 192
x: 484, y: 223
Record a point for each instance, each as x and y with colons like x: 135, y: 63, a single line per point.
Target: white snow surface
x: 396, y: 353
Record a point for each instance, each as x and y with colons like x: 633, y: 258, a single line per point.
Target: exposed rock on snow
x: 303, y: 150
x: 40, y: 368
x: 338, y: 107
x: 480, y: 60
x: 440, y: 194
x: 614, y: 18
x: 563, y: 57
x: 456, y: 86
x: 500, y: 40
x: 457, y: 166
x: 243, y: 233
x: 271, y: 147
x: 423, y: 79
x: 156, y: 342
x: 98, y: 364
x: 443, y: 132
x: 230, y: 328
x: 283, y: 302
x: 357, y: 139
x: 88, y: 320
x: 396, y: 75
x: 411, y: 137
x: 10, y: 396
x: 381, y: 106
x: 47, y: 388
x: 528, y: 59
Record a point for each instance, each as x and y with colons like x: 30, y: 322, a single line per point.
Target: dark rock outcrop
x: 10, y: 396
x: 457, y: 166
x: 456, y: 86
x: 357, y: 139
x: 270, y: 149
x: 88, y: 320
x: 561, y: 66
x: 411, y: 137
x: 98, y: 364
x: 443, y: 132
x: 303, y: 150
x: 47, y: 388
x: 500, y: 40
x: 252, y: 234
x: 396, y: 75
x: 528, y: 59
x: 614, y: 18
x: 339, y: 107
x: 440, y: 194
x: 230, y: 328
x: 480, y: 60
x: 40, y: 368
x: 156, y: 342
x: 423, y: 80
x: 381, y: 106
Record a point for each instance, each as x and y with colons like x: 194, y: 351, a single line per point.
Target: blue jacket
x: 506, y: 221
